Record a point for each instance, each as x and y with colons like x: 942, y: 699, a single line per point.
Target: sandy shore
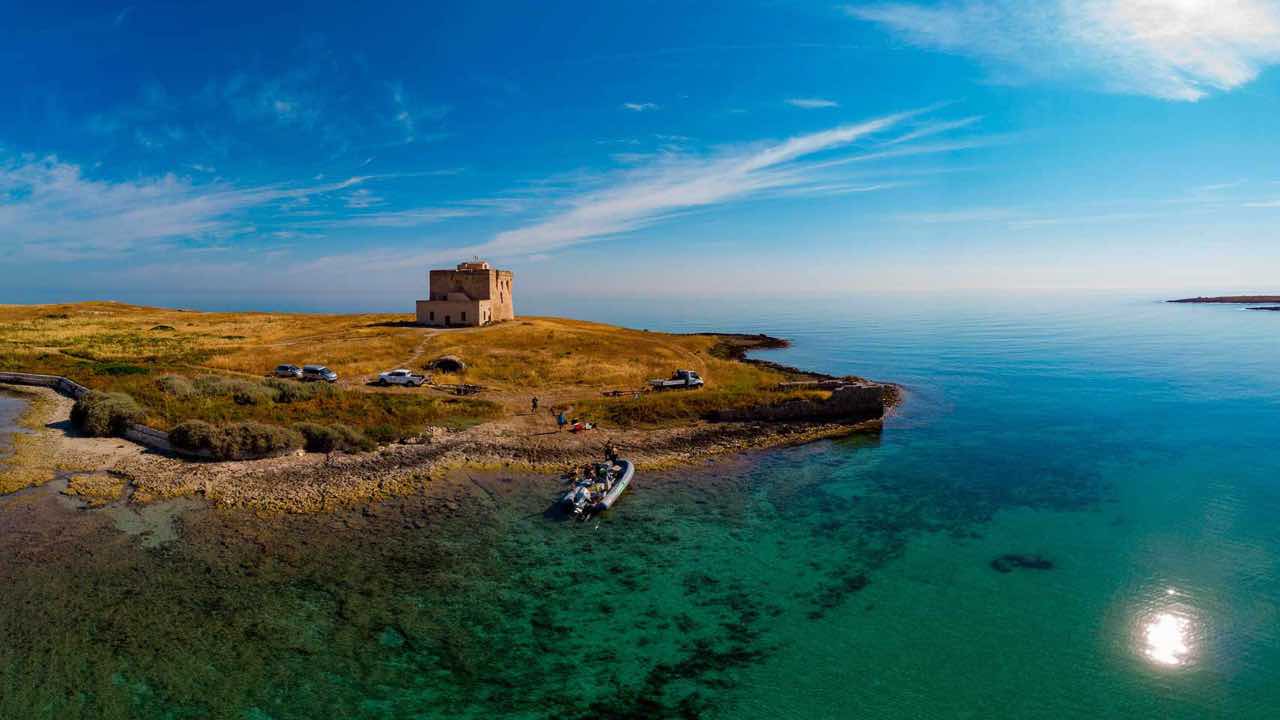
x: 312, y: 482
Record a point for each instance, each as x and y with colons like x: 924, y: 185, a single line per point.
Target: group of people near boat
x: 592, y: 481
x: 563, y: 420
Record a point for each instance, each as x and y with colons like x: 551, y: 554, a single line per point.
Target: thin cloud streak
x: 812, y: 103
x: 932, y: 129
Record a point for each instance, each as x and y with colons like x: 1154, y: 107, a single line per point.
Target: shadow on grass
x: 397, y: 324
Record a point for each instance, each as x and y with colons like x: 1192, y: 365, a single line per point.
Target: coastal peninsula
x: 208, y: 374
x: 1231, y: 299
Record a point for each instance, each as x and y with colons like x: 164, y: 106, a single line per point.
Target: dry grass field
x: 577, y: 360
x: 139, y: 350
x: 555, y: 354
x: 126, y: 348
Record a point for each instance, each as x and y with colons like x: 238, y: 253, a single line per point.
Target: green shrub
x: 193, y: 435
x: 291, y: 391
x: 119, y: 368
x: 105, y: 413
x: 383, y: 433
x: 328, y: 438
x: 243, y: 392
x: 234, y: 441
x: 175, y: 385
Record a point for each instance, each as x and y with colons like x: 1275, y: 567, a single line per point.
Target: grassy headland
x: 182, y: 365
x: 204, y: 376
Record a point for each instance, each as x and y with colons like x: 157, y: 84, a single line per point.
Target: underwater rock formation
x: 1007, y: 563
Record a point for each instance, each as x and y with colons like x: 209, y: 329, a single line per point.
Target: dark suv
x: 318, y: 372
x: 288, y: 371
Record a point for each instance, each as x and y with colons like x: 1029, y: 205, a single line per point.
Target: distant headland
x: 1231, y: 299
x: 1236, y: 300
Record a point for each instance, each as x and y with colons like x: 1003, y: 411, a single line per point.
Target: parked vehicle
x: 288, y: 371
x: 680, y: 380
x: 318, y: 373
x: 400, y: 376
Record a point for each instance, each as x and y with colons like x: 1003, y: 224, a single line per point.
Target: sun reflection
x: 1167, y: 636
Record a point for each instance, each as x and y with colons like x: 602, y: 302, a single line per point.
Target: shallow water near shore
x: 1116, y: 453
x: 11, y: 408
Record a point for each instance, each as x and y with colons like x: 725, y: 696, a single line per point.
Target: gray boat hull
x: 611, y: 497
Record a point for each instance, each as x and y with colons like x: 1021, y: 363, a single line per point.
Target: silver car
x: 288, y: 371
x: 318, y: 372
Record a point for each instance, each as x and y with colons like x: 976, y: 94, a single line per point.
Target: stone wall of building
x: 476, y: 284
x: 504, y: 307
x: 445, y: 313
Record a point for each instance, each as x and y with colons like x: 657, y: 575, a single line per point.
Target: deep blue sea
x: 1075, y: 514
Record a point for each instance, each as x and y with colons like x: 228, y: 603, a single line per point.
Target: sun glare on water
x: 1167, y: 637
x: 1167, y: 632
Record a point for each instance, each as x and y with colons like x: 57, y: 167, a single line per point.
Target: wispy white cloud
x: 416, y: 217
x: 1083, y: 219
x: 639, y: 197
x: 934, y: 128
x: 1170, y: 49
x: 50, y: 209
x: 362, y: 198
x: 640, y: 106
x: 1218, y: 187
x: 665, y: 186
x: 890, y: 149
x: 812, y: 103
x: 1022, y: 218
x: 960, y: 216
x: 407, y: 116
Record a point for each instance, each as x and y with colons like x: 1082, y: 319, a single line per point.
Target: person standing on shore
x: 533, y: 404
x: 561, y: 421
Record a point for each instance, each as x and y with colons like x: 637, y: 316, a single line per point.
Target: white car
x: 401, y: 376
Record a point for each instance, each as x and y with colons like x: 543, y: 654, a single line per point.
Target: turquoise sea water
x: 1128, y: 445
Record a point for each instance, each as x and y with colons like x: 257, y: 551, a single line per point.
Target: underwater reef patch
x: 1008, y: 563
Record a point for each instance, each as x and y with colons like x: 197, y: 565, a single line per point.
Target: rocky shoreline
x: 308, y: 483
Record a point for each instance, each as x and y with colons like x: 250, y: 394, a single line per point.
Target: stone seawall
x: 69, y: 388
x: 856, y: 402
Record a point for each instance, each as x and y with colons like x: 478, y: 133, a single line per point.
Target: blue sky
x: 326, y: 155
